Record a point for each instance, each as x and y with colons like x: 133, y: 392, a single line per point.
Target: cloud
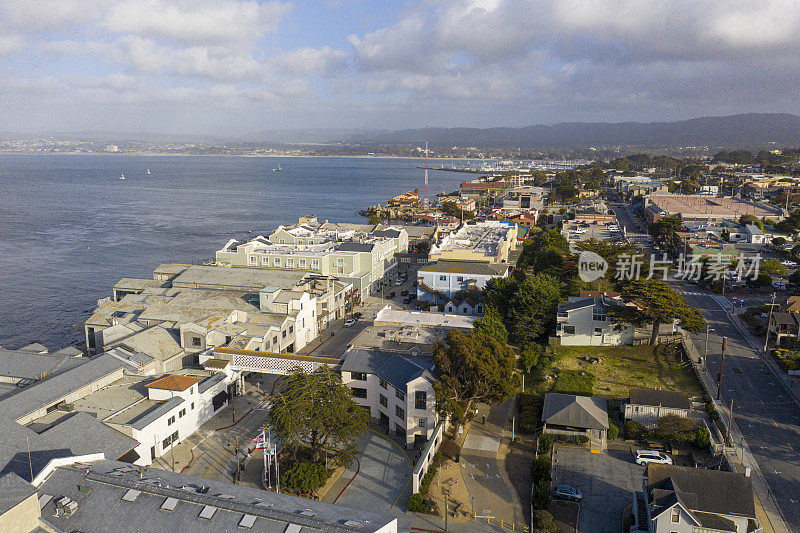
x: 39, y: 15
x: 10, y: 43
x: 304, y: 61
x: 210, y: 22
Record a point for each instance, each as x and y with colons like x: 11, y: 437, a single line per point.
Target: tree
x: 533, y: 307
x: 491, y: 324
x: 657, y: 303
x: 530, y: 355
x: 794, y: 277
x: 779, y: 241
x: 540, y: 468
x: 540, y: 498
x: 374, y: 219
x: 305, y: 477
x: 499, y: 292
x: 317, y: 411
x: 473, y: 367
x: 772, y: 267
x: 543, y: 522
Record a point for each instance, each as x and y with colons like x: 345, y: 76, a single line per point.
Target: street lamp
x: 708, y: 330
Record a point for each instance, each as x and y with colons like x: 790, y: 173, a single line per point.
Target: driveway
x: 607, y: 481
x: 380, y: 477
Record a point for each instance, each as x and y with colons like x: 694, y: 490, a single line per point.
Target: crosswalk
x: 693, y: 293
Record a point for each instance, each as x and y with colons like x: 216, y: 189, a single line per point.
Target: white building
x: 396, y: 389
x: 489, y: 241
x: 438, y: 283
x: 646, y: 406
x: 583, y: 321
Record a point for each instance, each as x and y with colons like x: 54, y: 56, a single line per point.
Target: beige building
x: 489, y: 241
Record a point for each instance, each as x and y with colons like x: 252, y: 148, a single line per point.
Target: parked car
x: 788, y: 263
x: 399, y: 282
x: 565, y: 492
x: 406, y: 300
x: 403, y: 293
x: 652, y: 456
x: 390, y: 295
x: 349, y: 322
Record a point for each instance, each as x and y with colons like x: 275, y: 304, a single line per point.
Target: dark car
x: 390, y: 295
x: 406, y: 300
x: 404, y: 293
x: 565, y: 492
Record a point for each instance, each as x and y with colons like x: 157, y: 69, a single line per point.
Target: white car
x: 788, y: 263
x: 349, y: 322
x: 650, y: 456
x: 398, y: 282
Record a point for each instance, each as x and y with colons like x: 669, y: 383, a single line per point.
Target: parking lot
x: 607, y: 481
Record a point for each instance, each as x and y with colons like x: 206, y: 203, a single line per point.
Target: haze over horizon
x: 233, y: 67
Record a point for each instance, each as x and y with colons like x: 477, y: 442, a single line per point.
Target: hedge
x: 425, y: 486
x: 416, y: 504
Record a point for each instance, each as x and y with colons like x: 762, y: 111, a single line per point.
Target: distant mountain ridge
x: 745, y: 130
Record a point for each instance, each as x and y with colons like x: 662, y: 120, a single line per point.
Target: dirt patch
x: 565, y: 515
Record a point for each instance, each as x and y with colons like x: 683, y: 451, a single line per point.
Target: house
x: 784, y: 326
x: 490, y: 241
x: 679, y: 499
x: 583, y: 321
x: 567, y: 414
x: 646, y: 406
x: 92, y: 494
x: 396, y: 389
x: 465, y: 303
x: 438, y: 283
x: 406, y: 199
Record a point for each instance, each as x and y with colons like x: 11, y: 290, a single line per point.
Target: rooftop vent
x: 131, y: 495
x: 353, y: 523
x: 307, y: 512
x: 247, y: 521
x: 169, y: 504
x: 208, y: 512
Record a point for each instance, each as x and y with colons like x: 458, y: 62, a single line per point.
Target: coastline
x: 159, y: 154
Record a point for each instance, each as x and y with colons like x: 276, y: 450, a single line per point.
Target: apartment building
x: 357, y: 254
x: 439, y: 282
x: 396, y: 389
x: 197, y: 307
x: 489, y: 241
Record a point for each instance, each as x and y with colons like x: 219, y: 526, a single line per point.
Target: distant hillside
x: 748, y: 130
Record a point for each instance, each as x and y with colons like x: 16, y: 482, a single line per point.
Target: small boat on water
x: 122, y: 177
x: 277, y: 169
x: 148, y: 171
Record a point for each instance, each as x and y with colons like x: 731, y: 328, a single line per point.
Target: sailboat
x: 148, y: 171
x: 122, y: 177
x: 277, y: 169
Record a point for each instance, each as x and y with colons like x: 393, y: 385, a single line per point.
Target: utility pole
x: 721, y: 363
x: 769, y: 322
x: 708, y: 329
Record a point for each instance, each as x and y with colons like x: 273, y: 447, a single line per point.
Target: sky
x: 232, y: 67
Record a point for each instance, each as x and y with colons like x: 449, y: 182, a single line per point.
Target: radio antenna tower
x: 425, y: 200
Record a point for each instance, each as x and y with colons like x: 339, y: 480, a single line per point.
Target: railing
x: 426, y: 458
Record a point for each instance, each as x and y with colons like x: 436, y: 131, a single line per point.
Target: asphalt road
x: 765, y: 412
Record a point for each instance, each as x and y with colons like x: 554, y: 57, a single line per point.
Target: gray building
x: 567, y: 414
x: 646, y: 406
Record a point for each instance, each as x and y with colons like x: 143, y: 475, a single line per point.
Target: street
x: 765, y: 412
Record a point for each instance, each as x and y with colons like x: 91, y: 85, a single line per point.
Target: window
x: 382, y: 382
x: 442, y: 278
x: 420, y: 399
x: 197, y: 341
x: 676, y: 516
x: 166, y: 443
x: 599, y: 315
x: 192, y: 406
x: 479, y: 309
x: 252, y: 259
x: 400, y: 394
x: 466, y: 310
x: 359, y: 393
x: 460, y: 278
x: 423, y: 422
x: 275, y: 339
x: 598, y: 331
x: 383, y: 400
x: 570, y: 330
x: 181, y: 413
x: 291, y: 329
x: 339, y: 261
x: 399, y: 412
x: 283, y: 334
x: 358, y: 376
x: 315, y: 263
x: 289, y: 262
x: 277, y: 261
x: 175, y: 437
x: 302, y: 263
x: 171, y: 420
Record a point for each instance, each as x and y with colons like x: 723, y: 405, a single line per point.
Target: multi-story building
x: 438, y: 283
x: 396, y: 389
x: 357, y: 254
x: 489, y: 241
x: 197, y: 307
x: 583, y: 321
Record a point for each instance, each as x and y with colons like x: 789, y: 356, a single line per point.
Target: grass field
x: 619, y: 369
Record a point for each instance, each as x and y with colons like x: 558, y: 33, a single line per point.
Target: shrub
x: 540, y: 469
x: 425, y: 486
x: 581, y: 439
x: 613, y: 431
x: 416, y: 504
x: 707, y: 398
x: 562, y: 438
x: 633, y: 430
x: 543, y: 522
x: 702, y: 439
x: 540, y: 499
x: 711, y: 409
x: 545, y: 443
x: 305, y: 477
x: 676, y: 428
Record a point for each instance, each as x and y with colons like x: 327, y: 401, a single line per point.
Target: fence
x: 426, y: 458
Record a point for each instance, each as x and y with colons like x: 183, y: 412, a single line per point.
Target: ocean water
x: 70, y: 229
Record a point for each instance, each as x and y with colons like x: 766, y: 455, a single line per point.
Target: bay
x: 70, y: 228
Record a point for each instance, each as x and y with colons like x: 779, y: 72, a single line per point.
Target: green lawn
x: 620, y: 368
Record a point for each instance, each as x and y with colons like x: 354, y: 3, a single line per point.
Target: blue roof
x: 395, y: 368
